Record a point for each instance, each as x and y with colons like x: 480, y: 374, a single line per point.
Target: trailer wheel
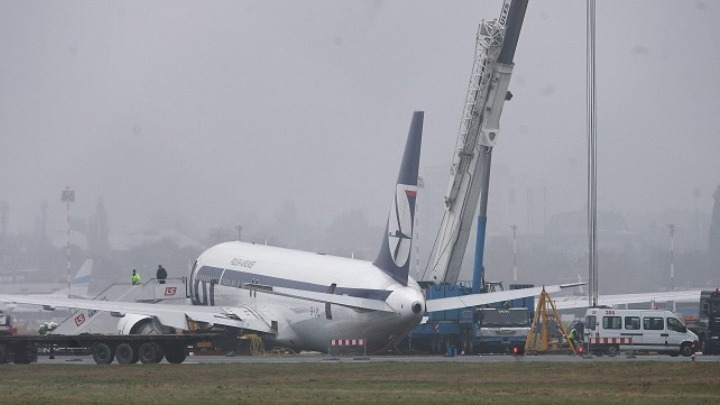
x: 102, y: 353
x: 176, y: 354
x: 126, y: 354
x: 150, y: 353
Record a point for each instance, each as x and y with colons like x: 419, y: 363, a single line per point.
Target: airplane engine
x: 134, y: 324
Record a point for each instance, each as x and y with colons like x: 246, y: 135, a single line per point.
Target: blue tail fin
x: 394, y: 256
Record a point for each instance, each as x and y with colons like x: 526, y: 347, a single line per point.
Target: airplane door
x: 328, y: 307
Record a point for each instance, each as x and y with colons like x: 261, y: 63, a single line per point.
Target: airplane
x: 302, y: 300
x: 79, y: 285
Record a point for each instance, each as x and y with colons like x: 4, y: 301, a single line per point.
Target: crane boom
x: 479, y: 128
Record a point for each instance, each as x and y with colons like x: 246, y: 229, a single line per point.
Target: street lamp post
x: 68, y: 196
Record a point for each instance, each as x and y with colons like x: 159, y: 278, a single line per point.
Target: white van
x: 650, y: 331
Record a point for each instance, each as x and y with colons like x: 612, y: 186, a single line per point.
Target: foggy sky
x: 220, y: 111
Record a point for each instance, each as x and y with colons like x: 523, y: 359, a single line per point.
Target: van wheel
x: 613, y: 351
x: 686, y: 350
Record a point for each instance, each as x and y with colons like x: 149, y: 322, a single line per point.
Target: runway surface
x: 316, y: 357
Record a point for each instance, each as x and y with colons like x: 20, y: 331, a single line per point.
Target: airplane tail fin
x: 80, y: 282
x: 394, y: 255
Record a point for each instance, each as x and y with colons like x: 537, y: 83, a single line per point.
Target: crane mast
x: 479, y: 129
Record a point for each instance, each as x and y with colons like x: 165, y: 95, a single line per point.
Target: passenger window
x: 675, y: 325
x: 612, y: 322
x: 653, y: 323
x: 632, y: 322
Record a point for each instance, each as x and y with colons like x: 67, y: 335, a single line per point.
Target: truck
x: 609, y: 331
x: 708, y: 325
x: 125, y: 349
x: 103, y: 336
x: 502, y: 330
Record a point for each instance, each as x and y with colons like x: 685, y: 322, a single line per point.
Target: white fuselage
x: 222, y: 273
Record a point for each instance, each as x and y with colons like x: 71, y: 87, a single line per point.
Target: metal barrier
x: 355, y: 348
x: 610, y: 345
x: 610, y: 341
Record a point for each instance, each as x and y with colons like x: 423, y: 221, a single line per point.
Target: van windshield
x: 715, y: 306
x: 674, y: 324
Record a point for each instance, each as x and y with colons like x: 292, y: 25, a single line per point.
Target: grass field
x: 366, y: 382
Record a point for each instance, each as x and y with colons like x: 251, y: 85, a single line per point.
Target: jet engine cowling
x: 135, y: 324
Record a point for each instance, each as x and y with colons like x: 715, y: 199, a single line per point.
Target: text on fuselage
x: 242, y: 263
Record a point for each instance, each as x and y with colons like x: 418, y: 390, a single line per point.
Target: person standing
x: 135, y: 278
x: 573, y: 336
x: 161, y: 274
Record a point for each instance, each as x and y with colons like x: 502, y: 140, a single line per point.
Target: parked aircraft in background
x: 650, y: 298
x: 79, y: 285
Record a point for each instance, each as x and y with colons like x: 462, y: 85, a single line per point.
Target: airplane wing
x: 464, y: 301
x: 619, y: 299
x: 175, y: 316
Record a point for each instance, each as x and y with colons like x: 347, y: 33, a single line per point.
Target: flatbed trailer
x: 125, y: 349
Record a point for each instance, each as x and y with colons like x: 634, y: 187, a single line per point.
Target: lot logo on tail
x: 400, y: 224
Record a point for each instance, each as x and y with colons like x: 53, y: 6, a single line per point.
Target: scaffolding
x: 548, y: 333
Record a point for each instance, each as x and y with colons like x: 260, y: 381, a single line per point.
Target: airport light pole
x: 68, y: 196
x: 672, y: 228
x: 239, y: 229
x: 592, y: 156
x: 514, y: 229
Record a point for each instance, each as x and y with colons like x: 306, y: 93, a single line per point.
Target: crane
x: 475, y: 329
x: 479, y: 129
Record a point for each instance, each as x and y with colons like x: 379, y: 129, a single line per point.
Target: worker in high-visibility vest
x: 135, y: 278
x: 573, y: 336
